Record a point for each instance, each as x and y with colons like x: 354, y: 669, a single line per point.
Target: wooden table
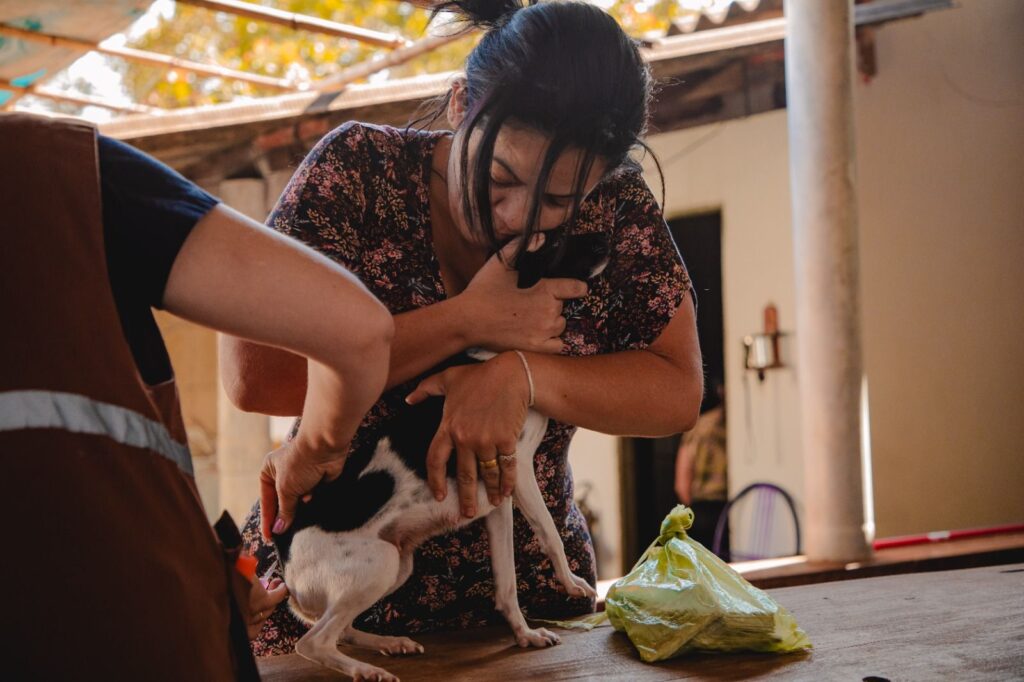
x: 966, y: 624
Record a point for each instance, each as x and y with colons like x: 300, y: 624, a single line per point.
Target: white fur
x: 333, y: 577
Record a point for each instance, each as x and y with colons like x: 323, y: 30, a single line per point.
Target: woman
x: 553, y: 101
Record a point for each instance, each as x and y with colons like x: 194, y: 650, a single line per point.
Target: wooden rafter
x: 144, y: 57
x: 83, y: 100
x: 731, y: 72
x: 372, y: 66
x: 301, y: 22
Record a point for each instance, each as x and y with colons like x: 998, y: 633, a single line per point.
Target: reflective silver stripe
x: 79, y: 414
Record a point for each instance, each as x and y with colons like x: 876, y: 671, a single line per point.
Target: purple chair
x: 760, y: 500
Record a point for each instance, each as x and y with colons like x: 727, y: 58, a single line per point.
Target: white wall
x: 941, y: 151
x: 941, y: 170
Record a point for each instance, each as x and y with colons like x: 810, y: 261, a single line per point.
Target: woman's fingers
x: 268, y: 498
x: 431, y: 386
x: 490, y: 474
x: 263, y: 599
x: 507, y: 463
x: 465, y: 479
x: 437, y: 460
x: 565, y: 289
x: 552, y: 345
x: 276, y: 594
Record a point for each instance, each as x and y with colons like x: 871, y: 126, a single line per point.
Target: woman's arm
x: 237, y: 276
x: 648, y: 393
x: 491, y: 313
x: 259, y: 378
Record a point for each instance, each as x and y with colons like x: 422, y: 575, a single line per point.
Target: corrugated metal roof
x: 27, y: 63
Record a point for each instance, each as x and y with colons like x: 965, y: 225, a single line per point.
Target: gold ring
x: 489, y: 464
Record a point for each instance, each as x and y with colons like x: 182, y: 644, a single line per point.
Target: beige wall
x: 941, y: 156
x: 941, y: 167
x: 193, y: 352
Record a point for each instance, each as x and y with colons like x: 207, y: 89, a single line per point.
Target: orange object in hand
x: 246, y: 565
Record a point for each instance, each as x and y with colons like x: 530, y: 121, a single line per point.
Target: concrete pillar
x: 243, y: 439
x: 819, y: 85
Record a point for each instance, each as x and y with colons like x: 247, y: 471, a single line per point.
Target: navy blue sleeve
x: 148, y: 212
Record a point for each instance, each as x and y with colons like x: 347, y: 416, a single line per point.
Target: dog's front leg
x: 499, y: 531
x: 530, y: 502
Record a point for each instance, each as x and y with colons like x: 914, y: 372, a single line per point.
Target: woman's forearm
x: 336, y: 401
x: 652, y: 392
x: 300, y: 301
x: 632, y: 393
x: 262, y: 379
x: 427, y: 336
x: 270, y: 380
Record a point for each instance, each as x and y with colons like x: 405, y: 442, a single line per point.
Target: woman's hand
x: 501, y: 317
x: 263, y: 599
x: 484, y: 412
x: 289, y: 473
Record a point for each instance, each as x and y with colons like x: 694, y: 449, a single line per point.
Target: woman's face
x: 518, y: 157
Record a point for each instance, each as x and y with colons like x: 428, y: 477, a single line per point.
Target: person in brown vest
x: 115, y: 572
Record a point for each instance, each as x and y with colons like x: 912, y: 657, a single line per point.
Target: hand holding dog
x: 263, y: 599
x: 501, y: 317
x: 289, y: 473
x: 484, y: 411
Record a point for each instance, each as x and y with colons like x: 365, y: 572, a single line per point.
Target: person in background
x: 116, y: 573
x: 701, y: 473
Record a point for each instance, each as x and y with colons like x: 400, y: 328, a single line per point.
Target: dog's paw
x: 540, y: 638
x: 398, y: 646
x: 579, y: 587
x: 364, y: 672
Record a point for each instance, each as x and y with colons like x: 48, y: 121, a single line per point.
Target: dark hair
x: 566, y: 69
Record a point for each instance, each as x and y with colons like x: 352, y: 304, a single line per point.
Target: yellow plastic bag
x: 680, y: 597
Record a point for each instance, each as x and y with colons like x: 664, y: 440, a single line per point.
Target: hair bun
x: 482, y: 13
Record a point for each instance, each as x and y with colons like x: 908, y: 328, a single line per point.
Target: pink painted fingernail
x: 265, y: 583
x: 278, y: 525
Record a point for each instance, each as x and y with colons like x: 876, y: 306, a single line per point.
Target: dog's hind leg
x: 499, y: 532
x: 356, y: 589
x: 381, y: 643
x: 530, y: 502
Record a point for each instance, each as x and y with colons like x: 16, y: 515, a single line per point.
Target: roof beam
x: 144, y: 57
x: 769, y: 30
x: 82, y: 100
x: 300, y: 22
x: 371, y: 66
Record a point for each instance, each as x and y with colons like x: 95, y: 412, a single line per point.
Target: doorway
x: 647, y: 465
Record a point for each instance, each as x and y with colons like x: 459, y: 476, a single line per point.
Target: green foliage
x: 299, y: 56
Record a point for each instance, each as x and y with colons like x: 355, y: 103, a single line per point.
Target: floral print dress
x: 361, y: 198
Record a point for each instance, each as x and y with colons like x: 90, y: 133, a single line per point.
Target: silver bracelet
x: 529, y: 376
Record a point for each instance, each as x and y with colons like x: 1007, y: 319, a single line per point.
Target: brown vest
x: 112, y: 570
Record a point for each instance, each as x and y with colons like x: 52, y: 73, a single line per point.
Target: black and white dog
x: 352, y: 543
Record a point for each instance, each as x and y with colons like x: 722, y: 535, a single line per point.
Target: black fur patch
x: 573, y: 257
